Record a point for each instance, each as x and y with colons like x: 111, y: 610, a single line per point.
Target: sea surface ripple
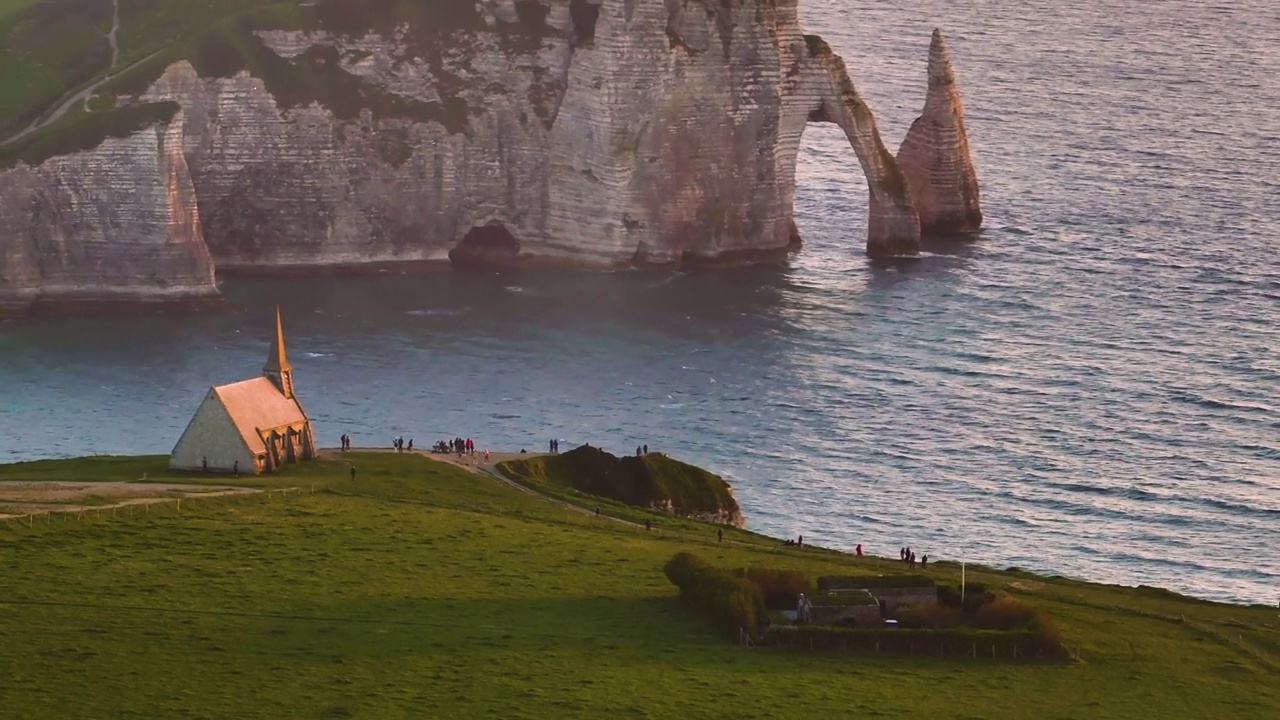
x: 1088, y: 389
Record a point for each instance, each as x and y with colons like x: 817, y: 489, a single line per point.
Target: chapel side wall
x: 212, y: 435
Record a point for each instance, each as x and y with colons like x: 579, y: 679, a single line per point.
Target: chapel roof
x: 255, y: 405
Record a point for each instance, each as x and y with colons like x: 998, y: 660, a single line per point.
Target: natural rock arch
x: 893, y: 223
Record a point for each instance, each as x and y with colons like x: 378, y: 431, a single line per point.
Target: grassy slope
x: 420, y: 590
x: 636, y: 480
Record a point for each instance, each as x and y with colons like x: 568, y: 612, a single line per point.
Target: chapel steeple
x: 277, y: 368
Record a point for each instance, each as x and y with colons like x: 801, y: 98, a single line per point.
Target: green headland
x: 424, y: 589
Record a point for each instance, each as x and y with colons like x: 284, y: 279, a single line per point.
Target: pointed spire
x: 935, y: 155
x: 276, y: 360
x: 940, y: 74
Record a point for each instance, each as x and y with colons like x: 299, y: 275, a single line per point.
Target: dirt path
x: 21, y: 498
x: 88, y: 92
x: 111, y: 36
x: 476, y: 464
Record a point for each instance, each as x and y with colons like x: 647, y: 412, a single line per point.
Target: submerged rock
x: 935, y: 155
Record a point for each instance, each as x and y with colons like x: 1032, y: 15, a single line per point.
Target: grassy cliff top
x: 639, y: 480
x: 56, y: 56
x: 422, y: 589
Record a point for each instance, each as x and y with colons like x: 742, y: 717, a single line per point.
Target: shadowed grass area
x: 642, y: 480
x: 422, y: 590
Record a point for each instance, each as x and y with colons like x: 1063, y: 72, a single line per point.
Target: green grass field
x: 420, y: 590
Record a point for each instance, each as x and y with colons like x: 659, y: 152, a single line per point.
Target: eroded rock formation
x: 935, y: 155
x: 119, y: 223
x: 594, y: 133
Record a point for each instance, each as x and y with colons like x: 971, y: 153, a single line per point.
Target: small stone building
x: 251, y: 426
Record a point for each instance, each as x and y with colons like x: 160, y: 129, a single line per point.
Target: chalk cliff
x: 589, y: 133
x: 935, y: 155
x: 118, y: 223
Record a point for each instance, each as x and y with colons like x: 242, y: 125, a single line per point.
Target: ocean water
x: 1088, y: 389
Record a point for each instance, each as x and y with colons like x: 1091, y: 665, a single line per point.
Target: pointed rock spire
x: 276, y: 360
x: 935, y: 157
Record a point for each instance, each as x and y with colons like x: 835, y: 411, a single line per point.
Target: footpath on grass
x: 476, y: 464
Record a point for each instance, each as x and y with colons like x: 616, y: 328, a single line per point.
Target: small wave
x: 1192, y: 398
x: 316, y: 354
x: 434, y: 311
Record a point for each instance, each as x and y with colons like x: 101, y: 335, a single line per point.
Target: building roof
x: 258, y: 405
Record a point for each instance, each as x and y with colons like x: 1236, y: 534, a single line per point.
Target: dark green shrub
x: 1004, y: 613
x: 930, y: 616
x: 975, y: 596
x: 732, y: 602
x: 779, y: 588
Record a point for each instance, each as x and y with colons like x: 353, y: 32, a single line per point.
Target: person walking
x: 719, y: 534
x: 353, y: 473
x: 486, y: 456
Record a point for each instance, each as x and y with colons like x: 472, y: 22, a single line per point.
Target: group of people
x: 458, y: 446
x: 346, y: 442
x: 639, y: 448
x: 909, y: 559
x: 553, y: 446
x: 399, y: 444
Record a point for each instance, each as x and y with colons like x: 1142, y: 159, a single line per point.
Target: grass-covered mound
x: 424, y: 590
x: 652, y: 481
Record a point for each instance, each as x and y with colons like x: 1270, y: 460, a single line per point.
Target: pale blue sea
x: 1089, y: 389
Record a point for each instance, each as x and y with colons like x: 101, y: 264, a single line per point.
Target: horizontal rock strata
x: 588, y: 133
x: 935, y: 155
x: 115, y: 224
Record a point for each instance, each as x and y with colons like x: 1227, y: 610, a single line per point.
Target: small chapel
x: 252, y: 426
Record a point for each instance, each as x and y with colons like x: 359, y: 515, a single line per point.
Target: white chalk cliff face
x: 588, y: 133
x: 119, y: 223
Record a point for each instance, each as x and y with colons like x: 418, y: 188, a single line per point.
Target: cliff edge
x: 652, y: 481
x: 585, y: 133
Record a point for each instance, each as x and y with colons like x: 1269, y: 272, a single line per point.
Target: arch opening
x: 486, y: 245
